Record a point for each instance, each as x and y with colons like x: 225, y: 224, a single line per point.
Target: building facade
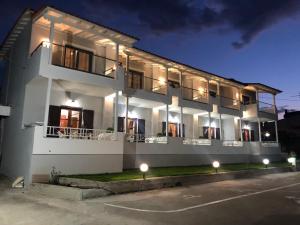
x: 81, y: 98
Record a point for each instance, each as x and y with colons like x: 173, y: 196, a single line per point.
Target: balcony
x: 230, y: 103
x: 149, y: 84
x: 82, y: 60
x: 266, y: 107
x: 198, y: 95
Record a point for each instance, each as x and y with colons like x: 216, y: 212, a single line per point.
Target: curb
x: 81, y: 189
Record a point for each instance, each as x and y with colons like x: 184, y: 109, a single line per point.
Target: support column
x: 208, y: 95
x: 167, y: 120
x: 209, y: 126
x: 276, y: 131
x: 259, y: 130
x: 51, y: 38
x: 167, y: 82
x: 116, y: 113
x: 117, y: 60
x: 126, y: 114
x: 181, y: 121
x: 221, y: 129
x: 219, y: 93
x: 274, y: 103
x: 47, y: 103
x: 241, y: 130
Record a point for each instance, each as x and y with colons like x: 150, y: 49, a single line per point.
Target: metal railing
x: 150, y: 139
x: 87, y: 62
x: 195, y: 141
x: 81, y: 133
x: 231, y: 103
x: 270, y: 144
x: 146, y: 83
x: 266, y: 107
x: 194, y: 94
x: 232, y: 143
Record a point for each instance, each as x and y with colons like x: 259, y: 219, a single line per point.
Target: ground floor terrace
x: 89, y: 129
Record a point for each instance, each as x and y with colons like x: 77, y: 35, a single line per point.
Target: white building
x: 80, y: 97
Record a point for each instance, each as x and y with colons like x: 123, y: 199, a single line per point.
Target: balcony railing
x: 231, y: 103
x: 82, y: 60
x: 147, y: 83
x: 191, y: 94
x: 81, y: 133
x: 195, y: 141
x: 266, y: 107
x: 150, y: 139
x: 232, y: 143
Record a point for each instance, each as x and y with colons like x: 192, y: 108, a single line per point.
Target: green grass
x: 172, y: 171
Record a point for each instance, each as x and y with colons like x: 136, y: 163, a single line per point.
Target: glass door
x: 78, y: 59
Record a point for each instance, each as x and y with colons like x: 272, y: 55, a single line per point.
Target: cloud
x: 248, y: 17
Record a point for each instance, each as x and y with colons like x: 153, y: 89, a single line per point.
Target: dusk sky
x: 248, y: 40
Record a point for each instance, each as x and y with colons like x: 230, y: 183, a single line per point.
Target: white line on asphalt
x: 201, y: 205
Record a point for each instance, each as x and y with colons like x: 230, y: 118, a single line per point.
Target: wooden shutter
x: 88, y: 119
x: 54, y: 116
x: 141, y: 127
x: 121, y: 124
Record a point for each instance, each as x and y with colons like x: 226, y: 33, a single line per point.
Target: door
x: 173, y: 129
x: 246, y: 100
x: 78, y: 59
x: 135, y: 79
x: 70, y: 118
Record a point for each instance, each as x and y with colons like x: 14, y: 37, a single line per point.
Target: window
x: 135, y: 79
x: 78, y: 59
x: 70, y: 117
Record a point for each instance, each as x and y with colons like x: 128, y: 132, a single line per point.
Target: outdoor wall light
x: 144, y: 168
x: 161, y: 81
x: 46, y: 43
x: 292, y: 160
x: 266, y: 162
x: 267, y: 134
x: 216, y: 165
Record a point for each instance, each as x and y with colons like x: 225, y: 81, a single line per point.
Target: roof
x: 264, y: 87
x: 15, y: 31
x: 30, y: 14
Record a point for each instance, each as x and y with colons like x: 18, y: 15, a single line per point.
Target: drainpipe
x: 51, y: 38
x: 209, y: 126
x: 117, y: 60
x: 46, y: 115
x: 167, y: 120
x: 259, y: 129
x: 221, y: 129
x: 241, y: 131
x: 116, y: 112
x: 276, y: 131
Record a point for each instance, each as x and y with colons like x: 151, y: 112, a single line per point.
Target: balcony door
x: 78, y: 59
x: 70, y: 117
x: 135, y: 79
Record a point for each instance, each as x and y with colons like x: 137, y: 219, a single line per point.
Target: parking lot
x: 271, y: 199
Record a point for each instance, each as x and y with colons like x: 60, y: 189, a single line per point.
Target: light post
x: 266, y: 162
x: 144, y: 168
x: 216, y: 165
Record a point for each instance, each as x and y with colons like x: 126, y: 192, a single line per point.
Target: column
x: 47, y: 103
x: 276, y: 131
x: 241, y: 130
x: 126, y: 114
x: 127, y: 62
x: 51, y: 38
x: 259, y: 130
x: 207, y: 88
x: 218, y: 93
x: 117, y: 60
x: 209, y: 125
x: 274, y: 103
x: 116, y: 113
x: 167, y: 83
x: 221, y: 129
x: 167, y: 120
x: 181, y: 121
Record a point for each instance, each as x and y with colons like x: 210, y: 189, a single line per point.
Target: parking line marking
x: 204, y: 204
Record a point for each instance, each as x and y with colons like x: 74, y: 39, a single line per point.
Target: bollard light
x: 266, y: 162
x: 144, y: 168
x: 292, y: 160
x: 216, y: 165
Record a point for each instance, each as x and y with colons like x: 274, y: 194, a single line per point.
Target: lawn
x: 172, y: 171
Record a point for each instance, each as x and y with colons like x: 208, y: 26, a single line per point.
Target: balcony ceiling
x: 85, y: 29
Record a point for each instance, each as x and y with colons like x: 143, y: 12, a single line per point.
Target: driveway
x: 271, y: 199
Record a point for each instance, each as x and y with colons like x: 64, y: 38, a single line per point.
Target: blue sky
x: 201, y: 33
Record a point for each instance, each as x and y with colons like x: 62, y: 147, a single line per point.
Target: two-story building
x: 78, y: 96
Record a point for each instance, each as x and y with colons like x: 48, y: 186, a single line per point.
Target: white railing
x: 150, y: 139
x: 270, y: 144
x: 232, y: 143
x: 195, y: 141
x: 81, y: 133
